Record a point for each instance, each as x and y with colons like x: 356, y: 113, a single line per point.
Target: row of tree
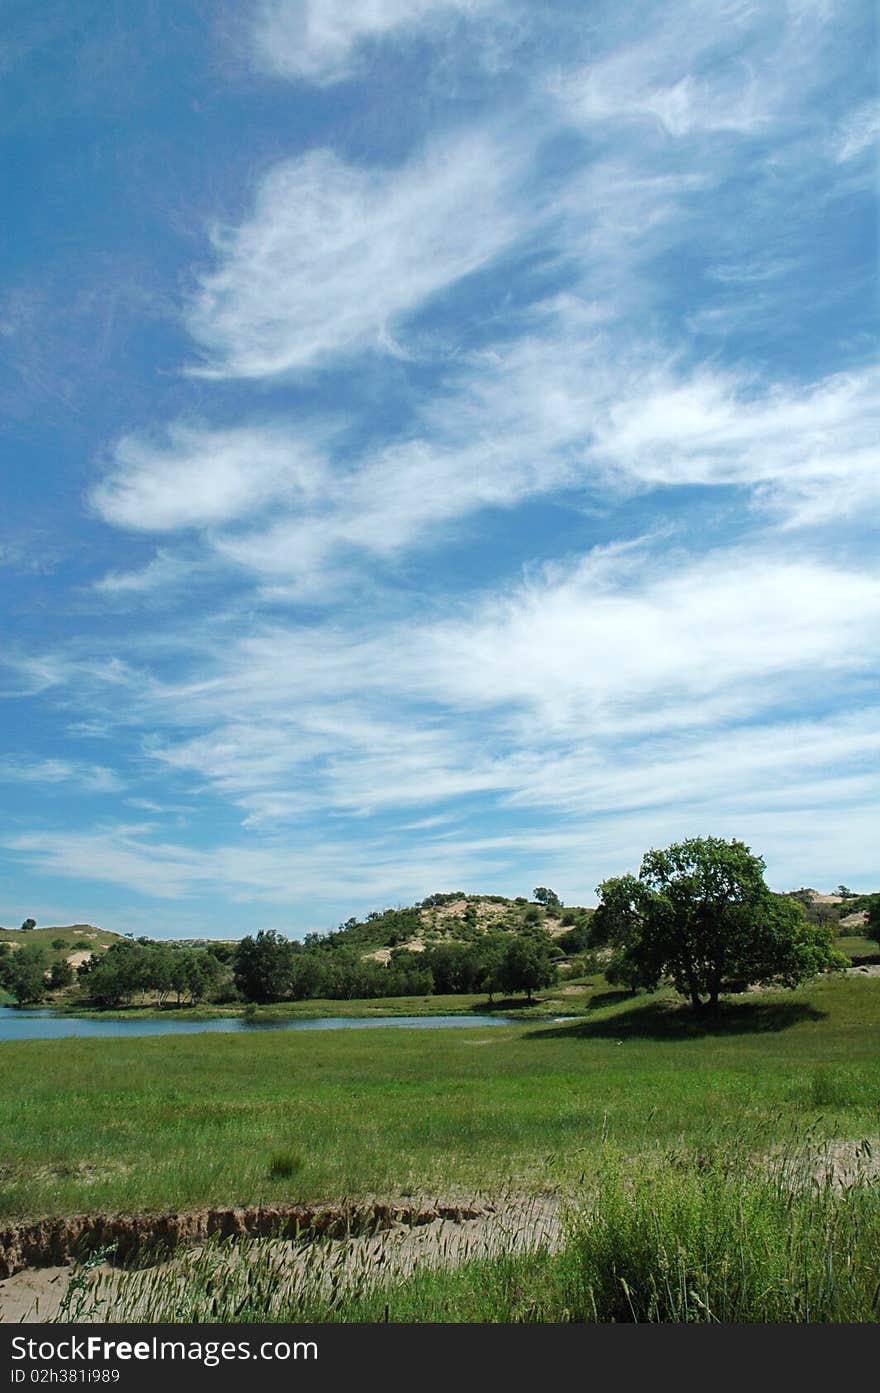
x: 268, y: 967
x: 127, y: 970
x: 161, y: 971
x: 699, y: 915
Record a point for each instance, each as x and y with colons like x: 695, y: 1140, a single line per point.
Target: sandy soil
x: 84, y: 955
x: 512, y: 1225
x: 383, y: 955
x: 855, y: 921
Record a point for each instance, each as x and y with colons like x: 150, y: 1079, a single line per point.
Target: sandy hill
x: 73, y: 942
x: 453, y: 918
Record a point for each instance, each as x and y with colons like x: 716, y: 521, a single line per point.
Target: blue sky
x: 440, y: 450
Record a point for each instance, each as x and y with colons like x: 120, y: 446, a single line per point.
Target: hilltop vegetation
x: 60, y: 941
x: 449, y: 944
x: 35, y: 962
x: 456, y: 917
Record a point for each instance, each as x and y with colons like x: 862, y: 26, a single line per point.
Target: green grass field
x: 185, y: 1121
x: 857, y: 946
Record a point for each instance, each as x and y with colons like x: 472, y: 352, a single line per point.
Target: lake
x: 46, y: 1024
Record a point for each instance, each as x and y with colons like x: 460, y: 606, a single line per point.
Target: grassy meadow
x: 185, y: 1121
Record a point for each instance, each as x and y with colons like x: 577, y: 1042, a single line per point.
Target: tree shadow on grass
x: 666, y: 1020
x: 612, y: 998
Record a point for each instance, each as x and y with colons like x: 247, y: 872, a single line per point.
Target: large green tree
x: 24, y: 974
x: 700, y: 915
x: 527, y: 965
x: 543, y: 895
x: 872, y: 926
x: 263, y: 966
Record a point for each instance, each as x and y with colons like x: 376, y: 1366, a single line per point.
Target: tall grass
x: 725, y: 1236
x: 729, y: 1242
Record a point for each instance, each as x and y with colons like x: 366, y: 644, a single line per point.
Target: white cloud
x: 691, y: 70
x: 564, y: 408
x: 809, y: 451
x: 165, y: 570
x: 585, y: 687
x: 645, y: 691
x: 91, y: 778
x: 859, y: 131
x: 30, y: 674
x: 199, y: 477
x: 285, y: 871
x: 620, y: 89
x: 625, y: 635
x: 318, y: 40
x: 335, y: 255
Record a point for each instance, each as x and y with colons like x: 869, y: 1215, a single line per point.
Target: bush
x: 285, y: 1164
x: 60, y: 975
x: 24, y: 974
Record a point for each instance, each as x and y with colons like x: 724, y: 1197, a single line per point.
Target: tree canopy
x: 24, y: 974
x: 701, y: 916
x: 527, y: 965
x: 546, y: 897
x: 872, y: 925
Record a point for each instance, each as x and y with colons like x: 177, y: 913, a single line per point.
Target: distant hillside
x: 452, y: 917
x: 69, y: 942
x: 848, y: 911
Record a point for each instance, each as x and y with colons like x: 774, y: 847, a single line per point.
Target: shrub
x: 285, y: 1164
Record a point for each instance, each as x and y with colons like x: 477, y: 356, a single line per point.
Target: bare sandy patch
x: 512, y: 1224
x: 855, y: 921
x: 383, y: 955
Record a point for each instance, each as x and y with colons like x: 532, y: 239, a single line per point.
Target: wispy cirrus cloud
x: 335, y: 255
x: 320, y: 41
x: 91, y: 778
x: 860, y: 131
x: 198, y: 477
x: 164, y: 572
x: 808, y: 451
x: 552, y: 414
x: 678, y: 69
x: 592, y: 314
x: 540, y: 694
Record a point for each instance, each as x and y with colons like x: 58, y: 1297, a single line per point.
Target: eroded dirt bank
x: 55, y: 1242
x: 369, y: 1243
